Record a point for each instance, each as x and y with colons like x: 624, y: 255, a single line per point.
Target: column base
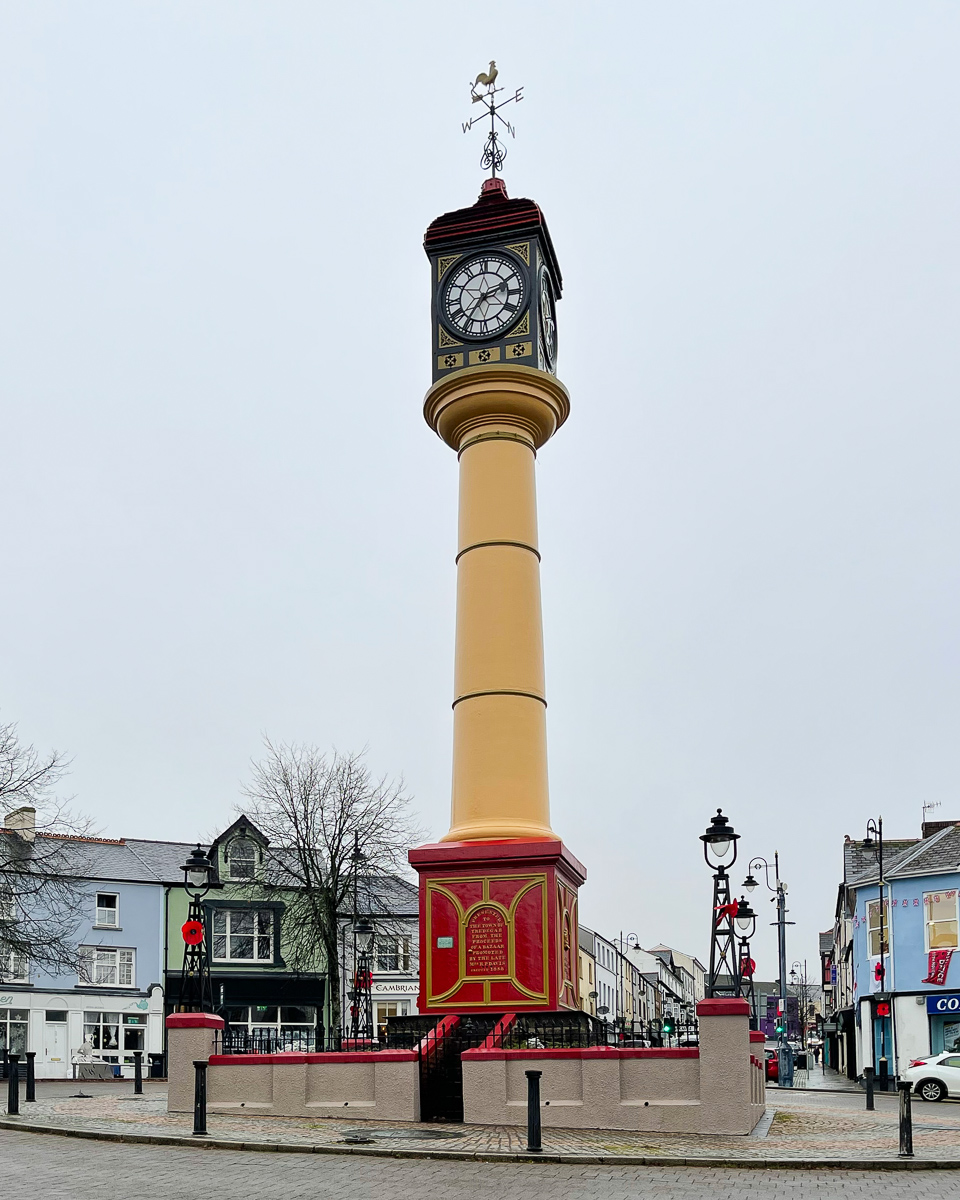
x: 498, y: 926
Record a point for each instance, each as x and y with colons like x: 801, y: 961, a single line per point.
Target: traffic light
x: 669, y: 1025
x: 780, y: 1027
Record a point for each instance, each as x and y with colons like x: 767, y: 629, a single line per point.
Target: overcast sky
x: 224, y: 516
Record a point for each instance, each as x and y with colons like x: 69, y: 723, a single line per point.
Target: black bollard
x: 534, y: 1145
x: 200, y: 1098
x: 868, y: 1081
x: 883, y: 1075
x: 13, y: 1086
x: 31, y: 1096
x: 906, y: 1120
x: 138, y: 1072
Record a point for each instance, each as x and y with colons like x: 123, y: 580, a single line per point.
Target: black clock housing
x: 495, y: 282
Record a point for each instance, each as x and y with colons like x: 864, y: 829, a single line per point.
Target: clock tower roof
x: 494, y: 215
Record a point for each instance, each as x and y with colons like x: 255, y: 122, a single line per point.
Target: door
x: 882, y: 1044
x: 55, y: 1056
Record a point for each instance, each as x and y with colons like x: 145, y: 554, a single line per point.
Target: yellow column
x: 496, y: 418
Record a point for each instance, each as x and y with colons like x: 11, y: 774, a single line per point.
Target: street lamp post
x: 196, y: 994
x: 779, y: 888
x: 746, y: 923
x: 361, y: 1010
x: 629, y: 940
x: 874, y: 841
x: 798, y: 977
x: 720, y: 853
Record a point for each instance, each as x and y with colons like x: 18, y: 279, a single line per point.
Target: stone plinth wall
x: 381, y: 1086
x: 718, y: 1088
x: 384, y: 1086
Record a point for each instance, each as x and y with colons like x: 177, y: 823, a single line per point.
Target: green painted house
x: 254, y: 985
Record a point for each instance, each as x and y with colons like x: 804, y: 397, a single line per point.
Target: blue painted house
x: 113, y: 1000
x: 906, y: 971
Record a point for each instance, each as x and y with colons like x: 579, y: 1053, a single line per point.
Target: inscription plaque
x: 486, y: 939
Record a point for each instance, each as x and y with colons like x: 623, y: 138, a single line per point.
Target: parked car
x: 773, y: 1066
x: 935, y: 1078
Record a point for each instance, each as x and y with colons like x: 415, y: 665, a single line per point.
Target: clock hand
x: 486, y: 296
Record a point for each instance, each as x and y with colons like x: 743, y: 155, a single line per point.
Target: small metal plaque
x: 445, y: 943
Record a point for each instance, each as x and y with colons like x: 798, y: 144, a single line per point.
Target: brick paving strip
x: 800, y: 1136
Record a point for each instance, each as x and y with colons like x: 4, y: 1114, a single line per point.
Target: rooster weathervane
x: 484, y: 91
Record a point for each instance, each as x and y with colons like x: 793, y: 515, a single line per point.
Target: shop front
x: 943, y: 1012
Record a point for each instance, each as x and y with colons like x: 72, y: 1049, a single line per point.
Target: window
x: 244, y: 934
x: 7, y: 912
x: 940, y: 919
x: 242, y: 858
x: 13, y: 1030
x: 14, y: 967
x: 298, y: 1023
x: 106, y: 1031
x: 873, y: 930
x: 393, y: 954
x: 108, y: 909
x: 383, y: 1010
x: 101, y: 966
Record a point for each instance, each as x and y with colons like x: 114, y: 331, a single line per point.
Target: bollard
x: 13, y: 1086
x: 138, y: 1072
x: 31, y: 1096
x: 868, y: 1081
x: 200, y: 1098
x: 883, y: 1075
x: 906, y: 1120
x: 534, y: 1145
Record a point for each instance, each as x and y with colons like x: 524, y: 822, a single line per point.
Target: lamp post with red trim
x: 720, y: 853
x: 746, y: 924
x: 196, y: 994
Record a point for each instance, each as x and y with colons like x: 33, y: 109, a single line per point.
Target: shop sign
x: 943, y: 1004
x: 400, y: 988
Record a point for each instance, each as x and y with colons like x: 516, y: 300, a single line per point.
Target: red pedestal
x: 498, y: 926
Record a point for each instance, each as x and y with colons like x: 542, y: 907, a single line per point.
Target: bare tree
x: 41, y: 866
x: 315, y: 808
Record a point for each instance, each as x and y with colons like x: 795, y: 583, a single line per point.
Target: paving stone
x: 804, y: 1126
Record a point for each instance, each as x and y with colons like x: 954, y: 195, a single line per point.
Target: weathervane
x: 494, y: 152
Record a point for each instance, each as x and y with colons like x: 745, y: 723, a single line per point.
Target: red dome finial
x: 494, y: 189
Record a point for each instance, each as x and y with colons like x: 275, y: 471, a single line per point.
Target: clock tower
x: 498, y: 894
x: 496, y: 282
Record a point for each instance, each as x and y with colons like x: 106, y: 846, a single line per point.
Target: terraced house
x: 130, y: 907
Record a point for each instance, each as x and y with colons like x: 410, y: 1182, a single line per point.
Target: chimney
x: 22, y: 821
x: 929, y: 828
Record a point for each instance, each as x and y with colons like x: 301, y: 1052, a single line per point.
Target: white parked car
x: 935, y: 1078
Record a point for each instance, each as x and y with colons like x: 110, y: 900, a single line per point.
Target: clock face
x: 483, y: 296
x: 547, y: 317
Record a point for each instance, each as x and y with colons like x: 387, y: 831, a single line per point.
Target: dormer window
x: 242, y: 858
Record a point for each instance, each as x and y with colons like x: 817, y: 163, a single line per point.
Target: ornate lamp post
x: 746, y: 923
x: 779, y: 888
x: 196, y: 994
x: 361, y: 1009
x: 874, y: 841
x: 720, y: 853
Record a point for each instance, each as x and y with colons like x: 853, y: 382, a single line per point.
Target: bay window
x: 243, y: 935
